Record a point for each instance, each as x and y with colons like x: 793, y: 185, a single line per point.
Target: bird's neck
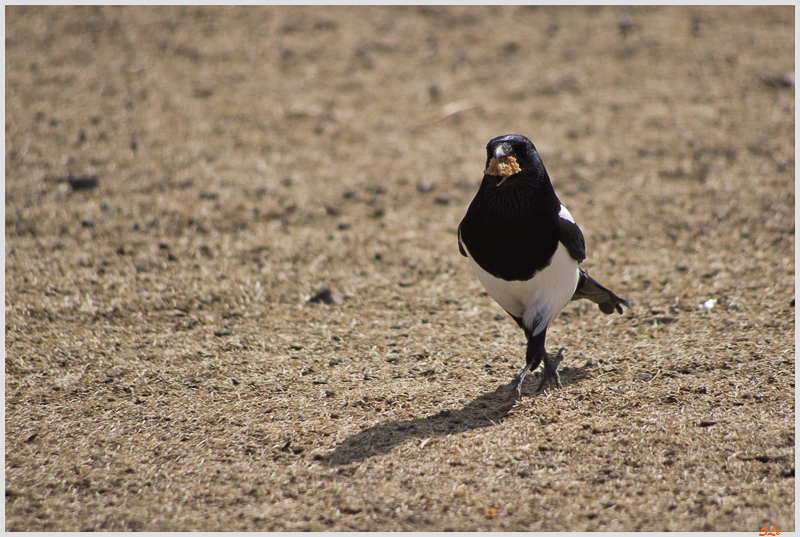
x: 520, y: 195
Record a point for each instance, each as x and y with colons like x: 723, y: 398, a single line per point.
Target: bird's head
x: 510, y: 145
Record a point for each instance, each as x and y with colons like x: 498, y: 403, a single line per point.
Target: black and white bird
x: 525, y: 247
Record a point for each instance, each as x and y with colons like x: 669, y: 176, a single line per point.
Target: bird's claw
x: 550, y: 371
x: 549, y: 374
x: 559, y: 357
x: 514, y: 387
x: 546, y: 379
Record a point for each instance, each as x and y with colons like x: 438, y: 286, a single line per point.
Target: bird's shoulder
x: 571, y: 235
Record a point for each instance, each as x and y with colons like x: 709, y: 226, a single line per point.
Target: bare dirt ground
x: 164, y: 370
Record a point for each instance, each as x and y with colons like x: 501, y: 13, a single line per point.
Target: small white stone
x: 708, y: 304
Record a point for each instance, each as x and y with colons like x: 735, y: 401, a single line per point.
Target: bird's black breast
x: 512, y: 231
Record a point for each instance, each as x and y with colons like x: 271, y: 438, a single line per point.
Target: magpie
x: 525, y: 247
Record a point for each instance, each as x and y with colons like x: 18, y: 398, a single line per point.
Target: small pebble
x: 327, y: 296
x: 82, y: 182
x: 708, y: 304
x: 783, y: 80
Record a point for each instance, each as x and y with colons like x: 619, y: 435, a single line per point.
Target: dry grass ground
x: 164, y: 371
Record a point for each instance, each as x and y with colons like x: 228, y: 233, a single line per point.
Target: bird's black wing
x: 588, y: 288
x: 572, y: 239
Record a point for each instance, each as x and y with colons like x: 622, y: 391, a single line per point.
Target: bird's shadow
x: 487, y: 410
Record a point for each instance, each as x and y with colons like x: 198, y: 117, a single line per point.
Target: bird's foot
x: 550, y: 370
x: 515, y: 387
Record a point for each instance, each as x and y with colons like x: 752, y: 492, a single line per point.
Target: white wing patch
x: 564, y: 213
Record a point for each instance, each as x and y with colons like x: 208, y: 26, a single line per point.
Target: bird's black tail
x: 607, y: 301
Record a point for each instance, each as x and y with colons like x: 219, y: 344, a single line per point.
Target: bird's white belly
x: 538, y: 300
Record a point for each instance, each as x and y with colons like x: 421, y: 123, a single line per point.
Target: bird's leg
x: 516, y: 384
x: 550, y: 370
x: 533, y: 357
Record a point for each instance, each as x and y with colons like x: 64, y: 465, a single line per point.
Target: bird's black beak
x: 500, y: 151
